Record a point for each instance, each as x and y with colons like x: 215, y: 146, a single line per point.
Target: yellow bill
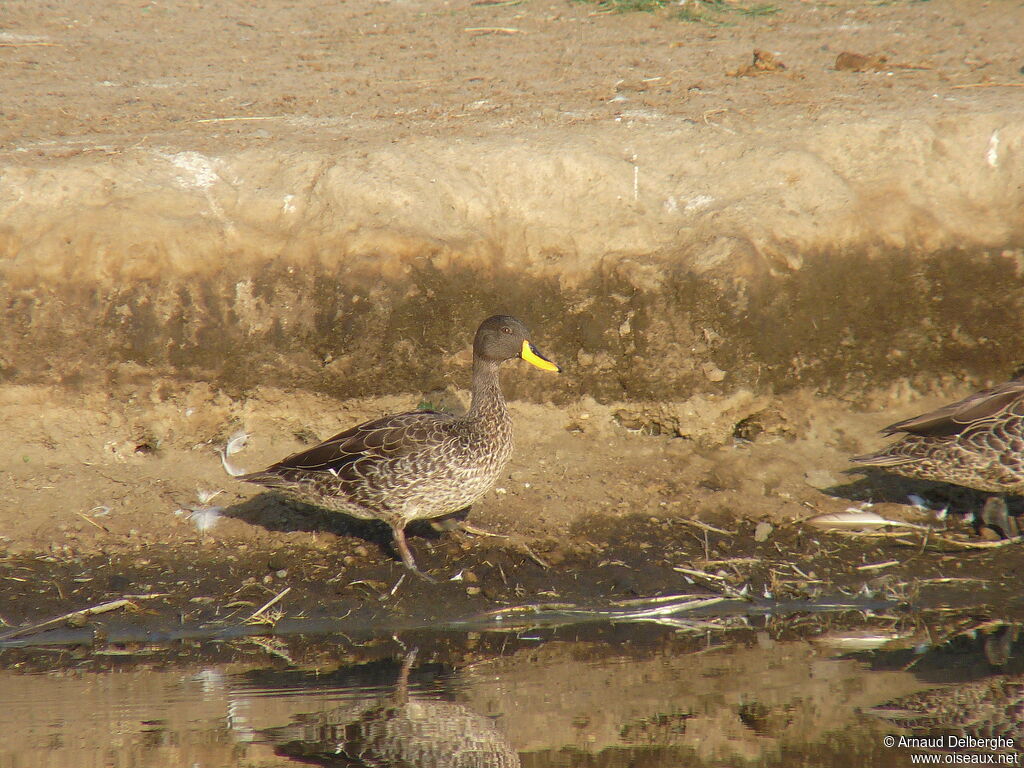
x: 530, y: 354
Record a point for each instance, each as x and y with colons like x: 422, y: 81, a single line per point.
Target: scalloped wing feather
x: 384, y: 438
x: 349, y: 457
x: 984, y: 406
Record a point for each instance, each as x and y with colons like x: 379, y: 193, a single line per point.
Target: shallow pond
x: 651, y: 683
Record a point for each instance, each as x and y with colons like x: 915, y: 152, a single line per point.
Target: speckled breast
x: 449, y: 476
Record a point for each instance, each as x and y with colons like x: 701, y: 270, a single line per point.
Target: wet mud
x: 607, y: 564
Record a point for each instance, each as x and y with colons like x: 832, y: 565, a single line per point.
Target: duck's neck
x: 488, y: 402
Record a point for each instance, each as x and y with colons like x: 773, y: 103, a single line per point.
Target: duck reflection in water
x: 991, y: 708
x: 398, y: 731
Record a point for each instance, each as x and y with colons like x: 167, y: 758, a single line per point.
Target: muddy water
x: 658, y: 688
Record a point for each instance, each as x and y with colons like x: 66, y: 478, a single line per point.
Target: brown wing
x: 954, y: 418
x: 351, y: 455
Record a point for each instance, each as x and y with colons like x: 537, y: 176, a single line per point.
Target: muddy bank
x: 667, y: 227
x: 332, y: 202
x: 743, y: 278
x: 837, y: 259
x: 325, y: 572
x: 102, y: 495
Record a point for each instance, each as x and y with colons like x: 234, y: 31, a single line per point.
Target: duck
x: 977, y: 443
x: 401, y: 728
x: 418, y: 465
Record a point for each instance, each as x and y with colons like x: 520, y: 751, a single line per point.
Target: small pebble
x: 763, y: 531
x: 820, y: 478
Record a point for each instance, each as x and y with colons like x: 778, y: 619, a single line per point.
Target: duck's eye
x: 506, y: 329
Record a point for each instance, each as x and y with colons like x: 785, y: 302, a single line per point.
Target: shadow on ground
x: 275, y: 512
x: 880, y: 487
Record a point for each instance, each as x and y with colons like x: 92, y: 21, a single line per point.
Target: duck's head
x: 502, y: 337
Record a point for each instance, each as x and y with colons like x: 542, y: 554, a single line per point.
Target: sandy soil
x: 106, y: 444
x: 102, y: 498
x: 98, y: 77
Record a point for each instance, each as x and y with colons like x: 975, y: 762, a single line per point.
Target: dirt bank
x: 102, y: 500
x: 331, y: 200
x: 285, y: 219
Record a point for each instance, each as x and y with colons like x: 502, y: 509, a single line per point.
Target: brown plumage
x: 977, y: 442
x: 417, y: 465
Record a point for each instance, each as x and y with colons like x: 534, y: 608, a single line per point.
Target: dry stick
x: 872, y: 534
x: 474, y: 531
x: 982, y: 544
x: 878, y: 566
x: 242, y: 117
x: 533, y: 555
x: 266, y: 605
x: 493, y: 30
x: 268, y: 646
x: 113, y: 605
x: 704, y: 526
x: 989, y: 85
x: 735, y: 561
x: 92, y: 522
x: 695, y: 572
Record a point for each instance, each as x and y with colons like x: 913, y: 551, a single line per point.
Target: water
x: 822, y: 689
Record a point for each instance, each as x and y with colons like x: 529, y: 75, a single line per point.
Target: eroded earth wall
x: 653, y: 263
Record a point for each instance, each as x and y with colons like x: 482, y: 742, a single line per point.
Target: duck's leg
x: 996, y: 515
x: 398, y: 529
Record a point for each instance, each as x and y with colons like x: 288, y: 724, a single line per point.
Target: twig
x: 474, y: 531
x: 493, y: 30
x: 398, y: 583
x: 92, y: 522
x: 872, y: 534
x: 704, y: 526
x: 878, y: 566
x: 534, y: 556
x: 734, y: 561
x: 256, y: 617
x: 800, y: 573
x: 113, y: 605
x: 271, y: 646
x: 989, y: 85
x: 982, y: 544
x: 803, y: 518
x: 242, y: 117
x: 695, y: 572
x: 19, y: 45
